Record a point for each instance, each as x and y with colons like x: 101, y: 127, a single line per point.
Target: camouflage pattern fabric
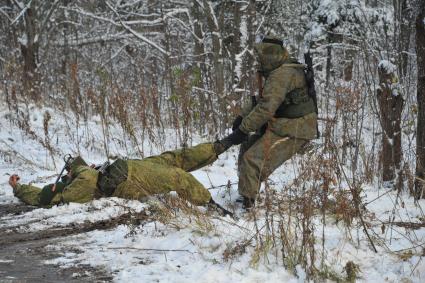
x: 81, y: 189
x: 28, y: 194
x: 259, y: 160
x: 169, y: 172
x: 284, y: 137
x: 153, y: 175
x: 47, y: 194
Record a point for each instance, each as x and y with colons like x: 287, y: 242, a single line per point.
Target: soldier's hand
x: 13, y: 180
x: 238, y: 137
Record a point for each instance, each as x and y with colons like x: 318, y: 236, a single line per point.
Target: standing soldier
x: 278, y: 125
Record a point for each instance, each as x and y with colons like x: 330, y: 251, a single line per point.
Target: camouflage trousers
x: 260, y: 156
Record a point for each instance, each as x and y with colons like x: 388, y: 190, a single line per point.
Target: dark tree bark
x: 29, y: 50
x: 249, y: 70
x: 390, y: 106
x: 420, y: 137
x: 217, y: 55
x: 403, y: 25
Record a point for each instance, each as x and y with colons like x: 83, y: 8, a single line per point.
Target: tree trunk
x: 390, y: 106
x: 199, y: 52
x: 217, y: 51
x: 403, y: 27
x: 250, y: 71
x: 29, y: 50
x: 420, y: 136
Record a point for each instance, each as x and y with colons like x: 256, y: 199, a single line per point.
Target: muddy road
x: 23, y: 254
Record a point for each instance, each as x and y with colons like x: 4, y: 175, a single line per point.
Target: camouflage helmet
x: 270, y: 53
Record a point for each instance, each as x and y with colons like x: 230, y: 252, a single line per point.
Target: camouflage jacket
x: 282, y: 77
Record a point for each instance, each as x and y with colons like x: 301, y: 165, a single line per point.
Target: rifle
x: 309, y: 77
x: 260, y: 94
x: 260, y: 89
x: 102, y: 168
x: 68, y: 159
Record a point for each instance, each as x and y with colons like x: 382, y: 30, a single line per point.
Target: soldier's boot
x: 222, y: 145
x: 247, y: 203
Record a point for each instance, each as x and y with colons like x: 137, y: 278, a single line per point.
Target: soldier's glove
x: 237, y: 137
x: 237, y: 122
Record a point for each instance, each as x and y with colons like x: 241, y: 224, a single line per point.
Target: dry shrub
x: 177, y: 213
x: 342, y: 208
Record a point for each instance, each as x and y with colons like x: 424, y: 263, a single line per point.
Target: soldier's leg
x: 252, y: 139
x: 188, y: 159
x: 187, y: 187
x: 167, y: 178
x: 262, y: 158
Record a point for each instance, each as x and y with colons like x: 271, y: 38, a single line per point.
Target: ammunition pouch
x: 296, y: 105
x: 113, y: 175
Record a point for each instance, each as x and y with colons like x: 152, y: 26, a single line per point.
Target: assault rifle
x: 68, y: 160
x: 309, y: 77
x: 260, y: 89
x: 102, y: 168
x: 260, y: 94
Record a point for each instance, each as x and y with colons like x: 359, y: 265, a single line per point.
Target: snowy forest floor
x: 129, y: 241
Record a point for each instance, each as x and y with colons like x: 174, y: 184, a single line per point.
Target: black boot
x: 247, y: 203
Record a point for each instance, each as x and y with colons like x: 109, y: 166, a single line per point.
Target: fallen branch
x: 154, y: 250
x: 411, y: 225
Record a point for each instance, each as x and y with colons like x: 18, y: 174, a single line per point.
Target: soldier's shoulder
x: 288, y: 69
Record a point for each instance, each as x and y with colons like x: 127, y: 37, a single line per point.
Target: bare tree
x: 33, y: 19
x: 420, y: 136
x: 390, y: 105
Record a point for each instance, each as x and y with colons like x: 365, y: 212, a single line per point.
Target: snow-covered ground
x: 192, y: 248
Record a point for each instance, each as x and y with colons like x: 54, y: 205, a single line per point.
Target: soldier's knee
x: 250, y: 164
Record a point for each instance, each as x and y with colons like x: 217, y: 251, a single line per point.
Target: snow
x: 389, y: 67
x: 61, y: 216
x: 192, y: 248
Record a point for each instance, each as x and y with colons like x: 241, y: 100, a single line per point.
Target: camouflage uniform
x: 132, y: 179
x: 285, y: 108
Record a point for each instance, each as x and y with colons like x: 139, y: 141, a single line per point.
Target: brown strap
x: 260, y: 84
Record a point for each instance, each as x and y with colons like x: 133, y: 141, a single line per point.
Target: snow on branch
x: 387, y: 66
x: 93, y: 40
x: 24, y: 9
x: 137, y: 34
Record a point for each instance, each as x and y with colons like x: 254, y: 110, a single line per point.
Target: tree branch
x: 136, y: 34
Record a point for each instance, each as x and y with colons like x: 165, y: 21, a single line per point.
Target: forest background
x: 181, y: 69
x: 189, y: 65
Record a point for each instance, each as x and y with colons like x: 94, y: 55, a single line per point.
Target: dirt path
x: 22, y: 255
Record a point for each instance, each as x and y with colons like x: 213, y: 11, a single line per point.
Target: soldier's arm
x: 246, y: 108
x: 82, y: 188
x: 48, y: 193
x: 277, y: 85
x: 27, y: 194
